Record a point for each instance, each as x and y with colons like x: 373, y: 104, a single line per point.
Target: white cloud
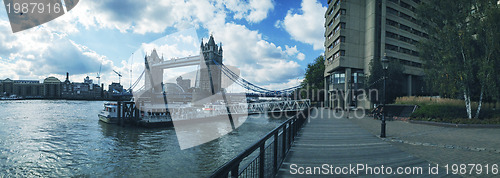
x: 38, y: 53
x: 306, y: 27
x: 260, y: 61
x: 253, y: 11
x: 301, y: 56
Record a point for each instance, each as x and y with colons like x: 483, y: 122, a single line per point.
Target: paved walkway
x: 441, y: 145
x: 339, y: 142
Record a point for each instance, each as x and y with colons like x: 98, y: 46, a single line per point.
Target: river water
x: 54, y: 138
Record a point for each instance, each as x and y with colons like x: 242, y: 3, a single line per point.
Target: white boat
x: 109, y: 114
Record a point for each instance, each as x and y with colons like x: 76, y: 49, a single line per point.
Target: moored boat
x: 109, y: 114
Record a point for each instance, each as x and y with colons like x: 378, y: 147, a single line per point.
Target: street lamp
x: 385, y: 65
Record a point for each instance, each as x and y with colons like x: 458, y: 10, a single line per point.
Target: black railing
x: 264, y: 158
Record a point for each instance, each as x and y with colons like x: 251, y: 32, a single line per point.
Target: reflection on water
x: 64, y: 138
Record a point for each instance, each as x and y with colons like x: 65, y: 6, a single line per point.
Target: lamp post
x: 385, y: 65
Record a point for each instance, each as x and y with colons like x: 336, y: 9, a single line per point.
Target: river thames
x: 54, y: 138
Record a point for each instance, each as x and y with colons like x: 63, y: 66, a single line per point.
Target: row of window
x: 401, y: 50
x: 336, y: 42
x: 339, y: 77
x: 336, y: 17
x: 336, y: 55
x: 401, y: 38
x: 337, y: 2
x: 405, y: 62
x: 406, y: 28
x: 405, y: 5
x: 401, y: 14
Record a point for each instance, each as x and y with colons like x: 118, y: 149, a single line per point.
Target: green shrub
x: 434, y: 111
x: 454, y: 114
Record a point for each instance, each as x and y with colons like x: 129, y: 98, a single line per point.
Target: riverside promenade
x: 331, y: 145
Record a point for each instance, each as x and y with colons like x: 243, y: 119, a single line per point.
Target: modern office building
x: 359, y: 31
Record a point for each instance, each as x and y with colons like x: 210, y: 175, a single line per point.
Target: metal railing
x: 264, y: 158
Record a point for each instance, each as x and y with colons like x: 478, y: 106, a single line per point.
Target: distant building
x: 21, y: 88
x: 115, y: 88
x: 85, y: 90
x: 184, y: 83
x: 52, y: 88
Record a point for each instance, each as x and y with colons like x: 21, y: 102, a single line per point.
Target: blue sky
x: 270, y: 41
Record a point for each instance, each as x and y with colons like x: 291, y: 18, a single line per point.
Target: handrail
x: 288, y: 130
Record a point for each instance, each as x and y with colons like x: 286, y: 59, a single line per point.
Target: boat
x: 109, y: 113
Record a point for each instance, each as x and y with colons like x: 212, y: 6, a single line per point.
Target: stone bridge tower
x: 208, y: 79
x: 154, y: 76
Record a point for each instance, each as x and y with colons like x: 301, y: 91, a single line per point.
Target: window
x: 339, y: 40
x: 342, y: 11
x: 406, y: 51
x: 391, y: 35
x: 339, y: 26
x: 330, y: 35
x: 330, y: 47
x: 337, y: 2
x: 339, y: 53
x: 337, y: 15
x: 358, y: 77
x: 392, y: 11
x: 330, y: 24
x: 342, y: 78
x: 405, y: 5
x: 392, y: 23
x: 405, y: 39
x: 391, y: 47
x: 331, y: 11
x: 405, y: 28
x: 405, y: 16
x: 338, y: 78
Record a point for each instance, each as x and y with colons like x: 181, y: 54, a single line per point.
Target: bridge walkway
x: 337, y: 141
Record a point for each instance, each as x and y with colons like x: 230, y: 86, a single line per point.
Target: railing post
x: 284, y: 141
x: 289, y: 135
x: 275, y: 154
x: 235, y: 171
x: 262, y: 160
x: 119, y: 113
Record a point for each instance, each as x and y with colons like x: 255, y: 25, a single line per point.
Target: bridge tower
x: 154, y: 76
x: 208, y: 79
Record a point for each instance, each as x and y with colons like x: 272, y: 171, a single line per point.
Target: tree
x: 314, y: 80
x: 394, y: 81
x: 458, y: 55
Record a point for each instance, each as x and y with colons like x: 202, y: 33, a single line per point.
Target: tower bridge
x: 208, y: 83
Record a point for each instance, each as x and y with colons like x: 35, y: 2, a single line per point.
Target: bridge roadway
x: 339, y: 142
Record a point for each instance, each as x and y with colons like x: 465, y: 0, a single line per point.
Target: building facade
x: 357, y: 32
x: 21, y: 88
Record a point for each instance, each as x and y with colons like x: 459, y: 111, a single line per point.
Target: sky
x: 269, y: 41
